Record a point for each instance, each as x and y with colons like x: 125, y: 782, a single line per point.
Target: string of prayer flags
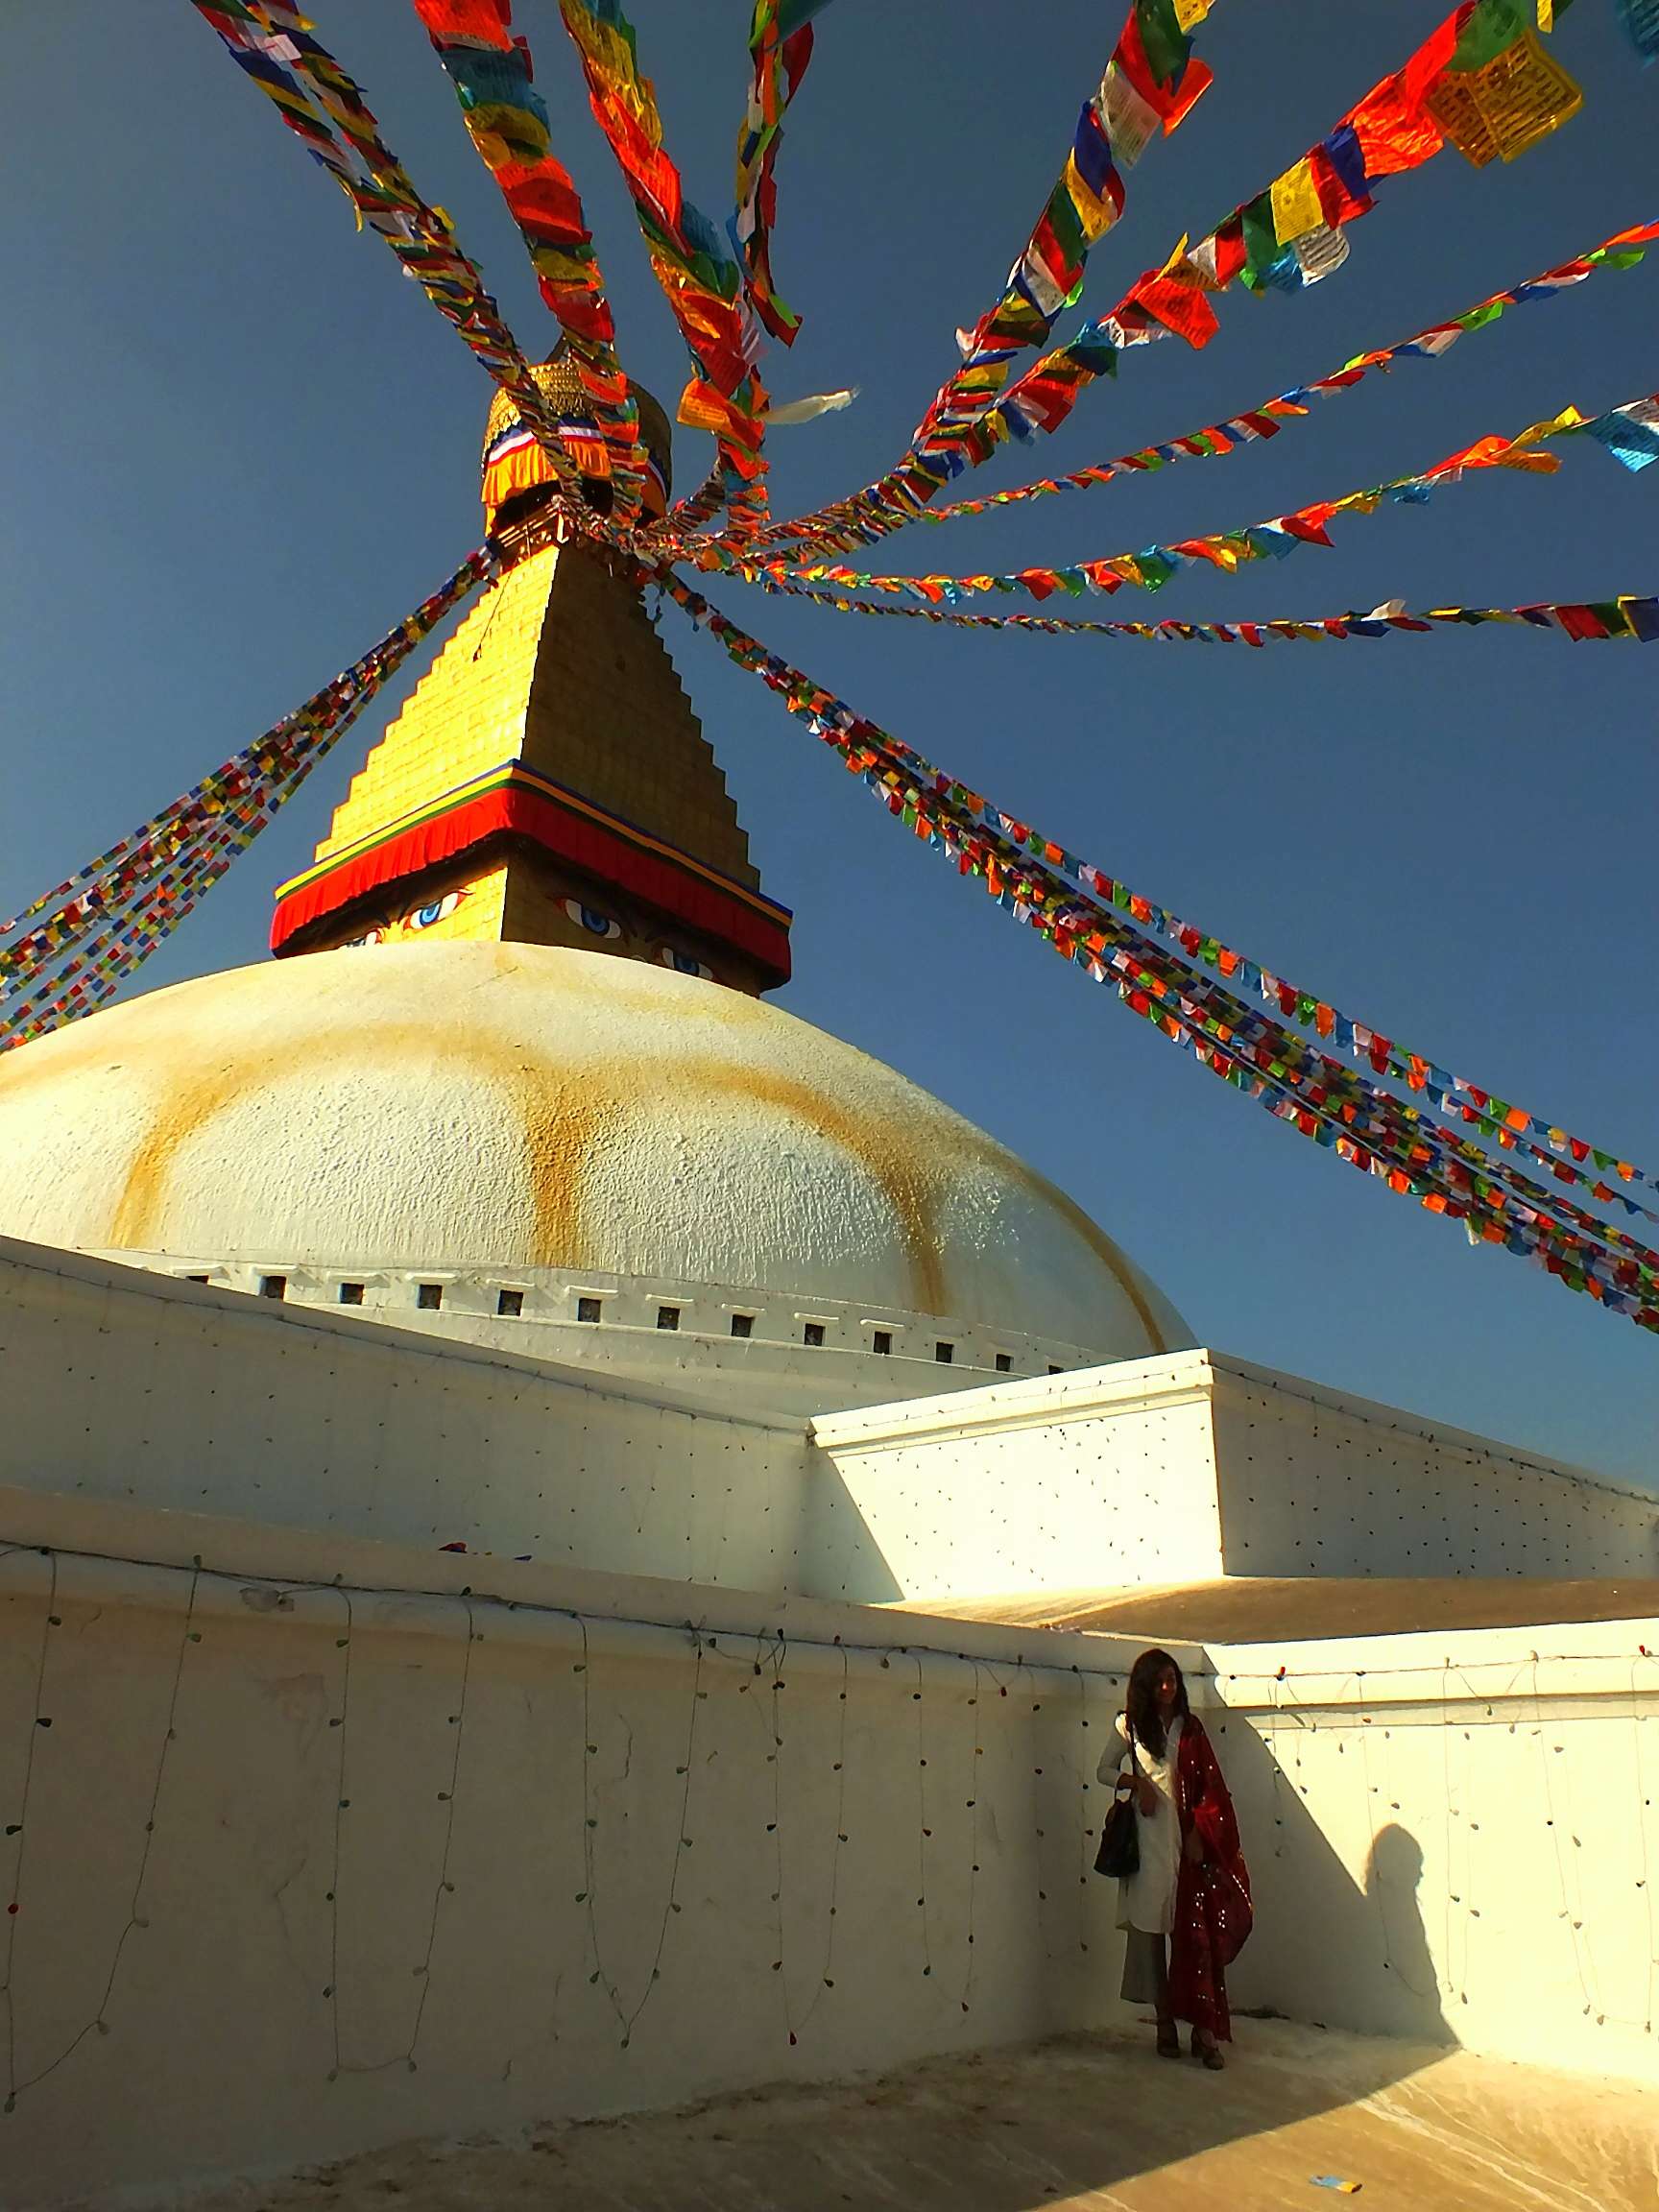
x: 700, y: 278
x: 1390, y: 132
x: 1323, y: 1098
x: 1263, y: 243
x: 1631, y: 618
x: 65, y: 952
x: 94, y: 975
x: 1624, y: 250
x: 1452, y: 1094
x: 1641, y: 21
x: 1149, y: 85
x: 507, y: 119
x: 1628, y: 433
x: 272, y: 43
x: 1419, y: 1073
x: 700, y: 506
x: 780, y: 49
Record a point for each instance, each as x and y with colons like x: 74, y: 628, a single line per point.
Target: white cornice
x: 1154, y: 1384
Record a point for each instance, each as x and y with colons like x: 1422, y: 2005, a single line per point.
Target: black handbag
x: 1120, y: 1852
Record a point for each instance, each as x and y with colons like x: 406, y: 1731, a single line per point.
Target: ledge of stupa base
x: 1188, y: 1468
x: 1087, y: 2121
x: 1293, y: 1608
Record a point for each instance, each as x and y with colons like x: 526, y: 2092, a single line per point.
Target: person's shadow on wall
x: 1409, y: 1984
x: 1328, y: 1948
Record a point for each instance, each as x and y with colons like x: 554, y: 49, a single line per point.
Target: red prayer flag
x: 1179, y: 304
x: 1394, y: 132
x: 481, y: 22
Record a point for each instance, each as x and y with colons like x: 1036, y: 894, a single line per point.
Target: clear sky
x: 240, y: 445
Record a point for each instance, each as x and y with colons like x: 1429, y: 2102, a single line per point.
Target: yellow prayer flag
x: 1295, y: 199
x: 1497, y: 111
x: 1569, y: 418
x: 1095, y: 213
x: 1188, y: 13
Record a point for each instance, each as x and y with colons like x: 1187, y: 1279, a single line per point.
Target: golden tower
x: 548, y: 783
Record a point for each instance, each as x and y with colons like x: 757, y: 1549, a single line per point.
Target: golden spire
x: 548, y: 783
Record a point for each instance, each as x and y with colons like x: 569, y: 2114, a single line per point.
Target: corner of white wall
x: 1102, y: 1478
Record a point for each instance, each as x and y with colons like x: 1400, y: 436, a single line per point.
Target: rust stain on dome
x: 560, y: 1118
x: 567, y: 1115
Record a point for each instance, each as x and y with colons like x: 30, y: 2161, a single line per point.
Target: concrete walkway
x: 1095, y: 2122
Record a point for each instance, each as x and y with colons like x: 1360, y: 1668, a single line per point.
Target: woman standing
x: 1191, y: 1889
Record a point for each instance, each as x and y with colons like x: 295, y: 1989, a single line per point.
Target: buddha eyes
x: 683, y: 963
x: 595, y: 924
x: 438, y: 910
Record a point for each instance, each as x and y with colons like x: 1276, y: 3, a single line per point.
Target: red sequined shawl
x: 1212, y: 1909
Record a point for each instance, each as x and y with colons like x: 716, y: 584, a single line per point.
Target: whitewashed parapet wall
x: 1187, y: 1466
x: 316, y: 1844
x: 124, y: 1385
x: 320, y: 1845
x: 1455, y: 1836
x: 1066, y: 1482
x: 1311, y: 1482
x: 121, y: 1384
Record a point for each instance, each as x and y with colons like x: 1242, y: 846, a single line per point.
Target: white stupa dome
x: 479, y: 1136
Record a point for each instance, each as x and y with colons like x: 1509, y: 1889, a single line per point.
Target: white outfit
x: 1146, y: 1898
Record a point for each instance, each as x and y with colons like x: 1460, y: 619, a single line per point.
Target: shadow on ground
x: 1085, y: 2121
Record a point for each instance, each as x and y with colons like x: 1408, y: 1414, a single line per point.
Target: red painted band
x: 603, y: 852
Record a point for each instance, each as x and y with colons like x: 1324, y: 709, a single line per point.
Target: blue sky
x: 242, y: 445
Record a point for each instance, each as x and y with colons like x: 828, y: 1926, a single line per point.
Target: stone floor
x: 1094, y: 2121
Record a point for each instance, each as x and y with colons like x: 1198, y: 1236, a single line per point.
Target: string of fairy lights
x: 759, y: 1659
x: 628, y: 2016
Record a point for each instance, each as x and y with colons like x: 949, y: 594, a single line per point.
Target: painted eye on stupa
x: 437, y: 910
x: 686, y: 963
x: 595, y: 924
x: 369, y: 937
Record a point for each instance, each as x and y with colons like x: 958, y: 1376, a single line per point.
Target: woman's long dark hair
x: 1141, y: 1703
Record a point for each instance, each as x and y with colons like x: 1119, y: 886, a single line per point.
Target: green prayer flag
x: 1066, y: 223
x: 1166, y: 45
x: 1261, y: 247
x: 1490, y: 31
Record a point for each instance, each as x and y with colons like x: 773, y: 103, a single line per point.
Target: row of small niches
x: 590, y: 1313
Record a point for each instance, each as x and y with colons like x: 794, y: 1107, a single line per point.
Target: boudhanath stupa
x: 573, y: 1541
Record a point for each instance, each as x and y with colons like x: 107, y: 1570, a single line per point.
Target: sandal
x: 1169, y: 2045
x: 1209, y: 2054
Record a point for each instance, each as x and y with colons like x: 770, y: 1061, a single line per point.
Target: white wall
x: 1066, y: 1481
x: 281, y: 1977
x: 1188, y: 1466
x: 1456, y: 1836
x: 122, y: 1384
x: 417, y: 1861
x: 1311, y: 1482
